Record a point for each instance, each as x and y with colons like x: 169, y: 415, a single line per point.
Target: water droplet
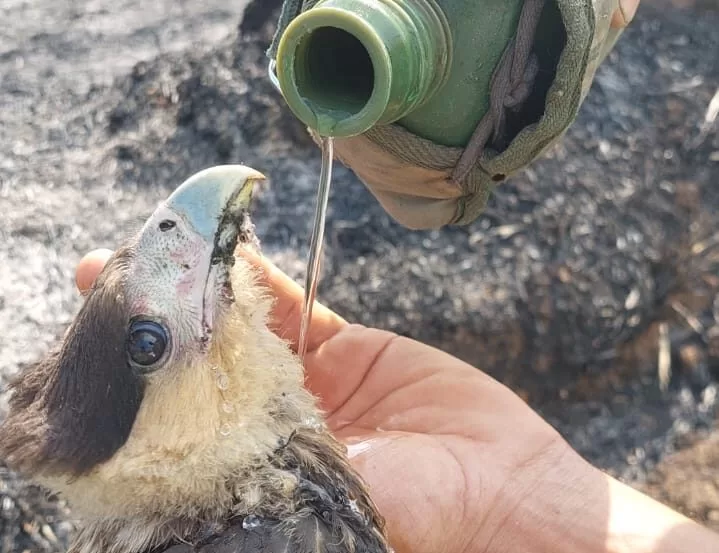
x: 225, y: 429
x: 357, y: 511
x: 223, y: 381
x: 354, y: 507
x: 250, y: 522
x: 227, y: 407
x: 357, y: 449
x: 313, y: 423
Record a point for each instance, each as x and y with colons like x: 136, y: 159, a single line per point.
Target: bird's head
x: 168, y: 381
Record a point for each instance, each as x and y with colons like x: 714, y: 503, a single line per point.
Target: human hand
x: 445, y: 449
x: 455, y: 461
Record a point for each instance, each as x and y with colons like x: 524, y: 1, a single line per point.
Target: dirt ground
x: 583, y: 269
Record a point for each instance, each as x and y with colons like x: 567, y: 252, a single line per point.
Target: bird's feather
x: 211, y: 441
x: 70, y: 412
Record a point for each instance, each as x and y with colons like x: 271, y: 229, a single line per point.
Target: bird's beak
x: 180, y: 269
x: 214, y: 197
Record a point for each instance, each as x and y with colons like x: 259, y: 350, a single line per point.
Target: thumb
x: 90, y: 267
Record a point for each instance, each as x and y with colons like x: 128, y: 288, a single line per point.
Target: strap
x: 290, y: 10
x: 512, y: 84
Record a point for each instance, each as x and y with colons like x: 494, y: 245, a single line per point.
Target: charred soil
x: 589, y: 285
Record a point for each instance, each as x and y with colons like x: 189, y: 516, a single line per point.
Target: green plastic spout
x: 345, y: 66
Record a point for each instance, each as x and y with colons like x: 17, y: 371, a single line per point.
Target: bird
x: 170, y: 416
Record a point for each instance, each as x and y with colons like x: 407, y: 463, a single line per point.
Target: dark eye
x: 146, y: 343
x: 166, y: 225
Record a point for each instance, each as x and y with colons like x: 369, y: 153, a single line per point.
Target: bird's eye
x: 166, y: 225
x: 146, y: 343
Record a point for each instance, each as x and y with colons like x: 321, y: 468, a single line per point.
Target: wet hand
x: 447, y: 451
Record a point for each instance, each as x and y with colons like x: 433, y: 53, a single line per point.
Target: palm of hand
x: 418, y: 423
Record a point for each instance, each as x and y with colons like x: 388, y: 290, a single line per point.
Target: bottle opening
x: 334, y: 73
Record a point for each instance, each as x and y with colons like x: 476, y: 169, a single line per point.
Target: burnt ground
x: 583, y: 269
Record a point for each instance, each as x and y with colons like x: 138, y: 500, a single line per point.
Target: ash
x: 583, y: 268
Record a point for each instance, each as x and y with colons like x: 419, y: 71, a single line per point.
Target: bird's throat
x: 306, y: 485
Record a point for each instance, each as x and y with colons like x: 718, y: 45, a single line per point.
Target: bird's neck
x: 307, y: 477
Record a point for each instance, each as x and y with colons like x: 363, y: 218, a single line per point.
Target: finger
x: 287, y: 311
x: 90, y: 267
x: 624, y: 13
